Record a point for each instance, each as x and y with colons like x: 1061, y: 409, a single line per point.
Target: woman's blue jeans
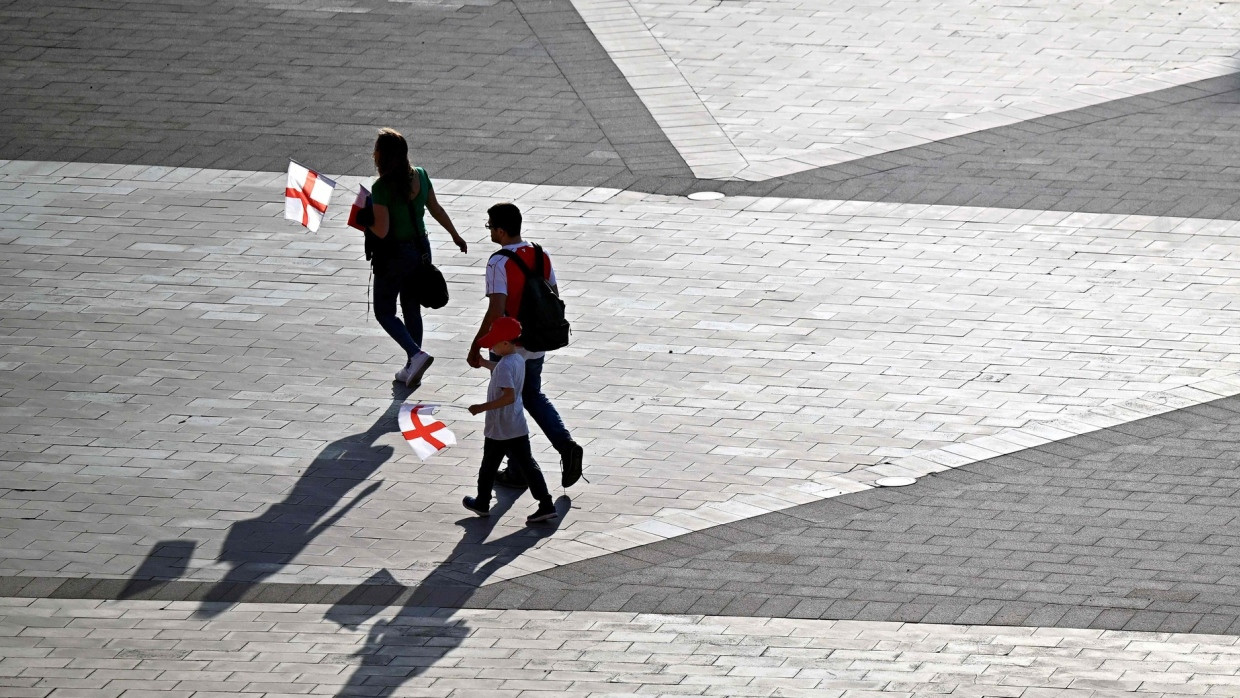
x: 394, y: 279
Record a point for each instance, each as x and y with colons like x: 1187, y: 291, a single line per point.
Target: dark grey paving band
x: 1131, y: 528
x: 1136, y: 527
x: 522, y: 91
x: 445, y: 596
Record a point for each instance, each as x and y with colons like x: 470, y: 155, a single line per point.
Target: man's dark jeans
x: 540, y: 408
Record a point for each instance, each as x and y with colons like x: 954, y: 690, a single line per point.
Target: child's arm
x: 506, y: 397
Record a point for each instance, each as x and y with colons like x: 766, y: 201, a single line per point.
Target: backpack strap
x: 540, y: 271
x: 520, y: 264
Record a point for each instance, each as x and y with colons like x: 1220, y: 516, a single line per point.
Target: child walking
x: 505, y: 429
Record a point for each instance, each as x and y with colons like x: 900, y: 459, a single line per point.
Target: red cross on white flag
x: 306, y: 196
x: 425, y: 434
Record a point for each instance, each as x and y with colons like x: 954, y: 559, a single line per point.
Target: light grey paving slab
x: 728, y: 82
x: 150, y: 648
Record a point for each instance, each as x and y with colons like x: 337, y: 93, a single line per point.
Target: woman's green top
x: 403, y: 226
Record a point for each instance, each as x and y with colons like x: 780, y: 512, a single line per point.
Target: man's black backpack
x: 541, y: 314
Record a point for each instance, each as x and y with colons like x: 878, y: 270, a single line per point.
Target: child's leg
x: 492, y: 455
x: 520, y: 457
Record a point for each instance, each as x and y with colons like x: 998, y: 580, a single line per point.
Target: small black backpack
x: 541, y: 314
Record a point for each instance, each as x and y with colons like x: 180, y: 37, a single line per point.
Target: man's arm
x: 495, y: 308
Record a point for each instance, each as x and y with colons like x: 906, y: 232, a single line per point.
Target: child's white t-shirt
x: 506, y: 422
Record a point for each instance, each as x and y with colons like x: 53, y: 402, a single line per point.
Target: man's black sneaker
x: 545, y: 512
x: 509, y: 477
x: 476, y: 507
x: 570, y: 464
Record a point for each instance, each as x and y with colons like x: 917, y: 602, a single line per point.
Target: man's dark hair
x: 506, y: 216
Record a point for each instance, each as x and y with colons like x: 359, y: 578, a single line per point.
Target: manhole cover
x: 894, y: 481
x: 706, y: 196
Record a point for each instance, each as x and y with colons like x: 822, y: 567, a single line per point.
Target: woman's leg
x: 388, y: 284
x: 410, y: 309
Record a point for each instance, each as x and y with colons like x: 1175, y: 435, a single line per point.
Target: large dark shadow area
x: 477, y: 87
x: 1136, y: 527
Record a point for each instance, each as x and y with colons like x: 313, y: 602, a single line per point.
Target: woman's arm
x: 441, y: 216
x: 380, y: 226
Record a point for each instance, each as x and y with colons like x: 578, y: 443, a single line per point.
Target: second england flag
x: 306, y: 196
x: 425, y: 434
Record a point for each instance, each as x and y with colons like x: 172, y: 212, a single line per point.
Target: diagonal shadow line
x: 596, y: 80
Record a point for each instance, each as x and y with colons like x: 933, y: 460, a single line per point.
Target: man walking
x: 505, y: 282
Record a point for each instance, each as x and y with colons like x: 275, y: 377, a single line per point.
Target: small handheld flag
x: 425, y: 434
x: 360, y: 204
x: 306, y: 196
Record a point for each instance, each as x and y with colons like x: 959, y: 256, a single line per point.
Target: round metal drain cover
x: 706, y: 196
x: 894, y: 481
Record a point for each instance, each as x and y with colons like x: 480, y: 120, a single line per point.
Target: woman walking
x: 401, y: 196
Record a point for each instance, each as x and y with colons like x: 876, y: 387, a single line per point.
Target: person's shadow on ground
x: 258, y: 548
x: 403, y: 647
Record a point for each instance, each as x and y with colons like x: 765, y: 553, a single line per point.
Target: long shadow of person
x: 166, y: 562
x: 259, y: 547
x: 421, y: 634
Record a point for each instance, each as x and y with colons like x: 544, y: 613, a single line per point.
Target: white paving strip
x: 104, y: 649
x: 196, y: 357
x: 762, y: 88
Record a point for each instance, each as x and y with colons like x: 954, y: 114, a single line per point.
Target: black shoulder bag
x: 432, y: 288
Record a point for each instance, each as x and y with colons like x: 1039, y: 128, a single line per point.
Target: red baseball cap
x: 504, y: 328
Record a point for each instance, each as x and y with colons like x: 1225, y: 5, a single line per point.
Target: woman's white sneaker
x: 418, y: 363
x: 402, y: 376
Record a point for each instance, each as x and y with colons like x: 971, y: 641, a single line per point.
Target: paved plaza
x: 992, y: 249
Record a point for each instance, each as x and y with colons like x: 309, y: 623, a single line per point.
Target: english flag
x: 361, y: 203
x: 425, y: 434
x: 306, y: 196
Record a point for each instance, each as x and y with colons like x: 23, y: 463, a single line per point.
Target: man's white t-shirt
x: 497, y: 282
x: 506, y: 422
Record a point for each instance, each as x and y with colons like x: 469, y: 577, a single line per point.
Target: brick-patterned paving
x: 203, y: 494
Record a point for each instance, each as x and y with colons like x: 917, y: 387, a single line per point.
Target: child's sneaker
x: 477, y: 507
x: 545, y: 512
